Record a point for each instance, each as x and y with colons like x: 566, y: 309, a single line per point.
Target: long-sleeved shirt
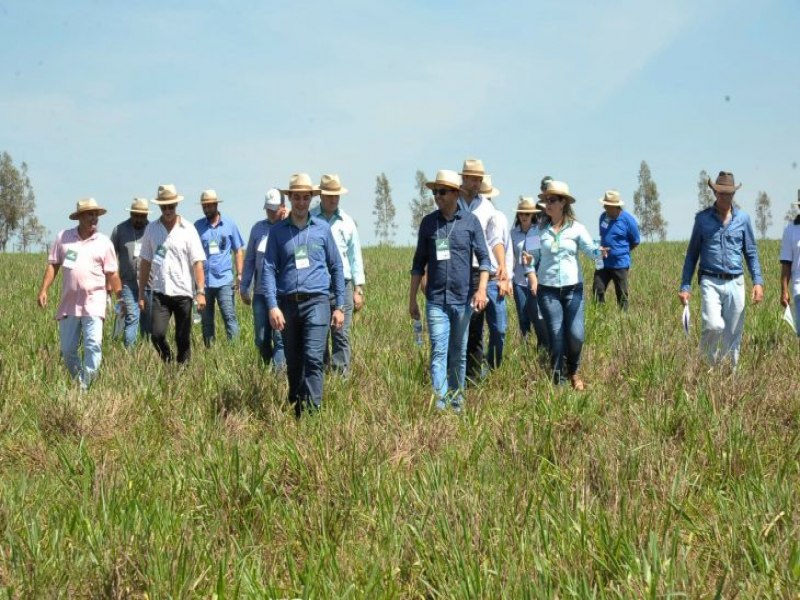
x: 720, y: 247
x: 557, y: 257
x: 449, y: 278
x: 620, y: 236
x: 505, y: 235
x: 254, y: 256
x: 347, y: 241
x: 523, y: 242
x: 485, y: 212
x: 302, y: 261
x: 127, y: 241
x: 219, y: 242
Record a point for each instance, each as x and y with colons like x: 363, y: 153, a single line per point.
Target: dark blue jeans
x: 530, y: 316
x: 562, y: 309
x: 304, y: 338
x: 136, y: 321
x: 268, y: 341
x: 223, y: 296
x: 337, y: 356
x: 496, y: 321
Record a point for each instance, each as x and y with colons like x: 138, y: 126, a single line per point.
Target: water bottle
x: 598, y: 255
x: 418, y: 340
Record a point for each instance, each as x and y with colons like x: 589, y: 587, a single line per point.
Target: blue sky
x: 110, y: 99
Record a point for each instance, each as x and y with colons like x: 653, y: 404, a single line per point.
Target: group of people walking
x: 302, y: 272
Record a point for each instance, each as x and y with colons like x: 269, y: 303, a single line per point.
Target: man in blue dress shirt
x: 619, y: 235
x: 448, y: 238
x: 301, y: 266
x: 221, y: 239
x: 721, y: 236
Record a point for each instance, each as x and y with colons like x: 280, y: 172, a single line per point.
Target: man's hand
x: 42, y: 299
x: 413, y: 309
x: 337, y: 319
x: 245, y: 296
x: 479, y: 300
x: 684, y: 297
x: 201, y: 301
x: 358, y: 298
x: 276, y: 320
x: 527, y: 258
x: 784, y: 299
x: 757, y: 294
x: 504, y: 288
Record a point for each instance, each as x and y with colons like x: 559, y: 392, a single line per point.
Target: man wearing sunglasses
x: 172, y: 251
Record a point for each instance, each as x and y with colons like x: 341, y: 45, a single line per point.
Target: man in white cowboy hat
x: 87, y: 259
x: 447, y: 240
x: 173, y: 254
x: 127, y: 240
x: 268, y: 341
x: 301, y: 267
x: 721, y: 238
x: 499, y: 289
x: 345, y: 234
x: 472, y: 174
x: 222, y: 243
x: 619, y: 235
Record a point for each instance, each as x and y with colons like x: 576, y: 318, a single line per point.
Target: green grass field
x: 663, y: 479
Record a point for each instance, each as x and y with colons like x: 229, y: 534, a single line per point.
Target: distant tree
x: 18, y: 207
x: 705, y: 197
x: 763, y: 214
x: 384, y: 211
x: 421, y: 204
x: 791, y: 213
x: 648, y: 207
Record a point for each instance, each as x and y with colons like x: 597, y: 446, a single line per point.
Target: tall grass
x: 663, y: 479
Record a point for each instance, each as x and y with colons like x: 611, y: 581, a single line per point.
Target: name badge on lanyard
x: 213, y: 247
x: 137, y: 249
x: 262, y: 245
x: 70, y: 259
x: 443, y: 249
x: 301, y: 260
x: 604, y: 224
x: 161, y: 252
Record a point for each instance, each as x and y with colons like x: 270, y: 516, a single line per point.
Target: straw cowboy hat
x: 724, y: 184
x: 167, y: 195
x: 273, y: 199
x: 487, y: 190
x: 85, y: 205
x: 209, y: 197
x: 527, y: 205
x: 611, y: 198
x: 139, y: 206
x: 445, y: 178
x: 331, y: 186
x: 556, y: 188
x: 301, y: 182
x: 474, y: 167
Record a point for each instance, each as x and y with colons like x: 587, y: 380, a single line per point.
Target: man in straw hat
x: 301, y: 267
x: 222, y: 243
x: 472, y: 174
x: 347, y: 241
x: 619, y: 235
x: 447, y: 239
x: 173, y: 254
x: 87, y: 259
x: 268, y: 341
x: 722, y: 236
x: 127, y: 240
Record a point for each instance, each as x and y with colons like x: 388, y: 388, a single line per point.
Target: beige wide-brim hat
x: 139, y: 206
x: 473, y: 167
x: 301, y: 182
x: 331, y: 186
x: 167, y: 195
x: 487, y: 189
x: 209, y: 197
x: 527, y: 204
x: 445, y: 178
x: 612, y: 198
x: 725, y: 183
x: 85, y: 205
x: 556, y: 188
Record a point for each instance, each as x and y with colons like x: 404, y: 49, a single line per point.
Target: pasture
x: 663, y: 479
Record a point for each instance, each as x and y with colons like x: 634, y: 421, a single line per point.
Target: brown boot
x: 577, y: 382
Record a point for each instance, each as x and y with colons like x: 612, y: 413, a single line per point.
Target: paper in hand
x: 789, y: 317
x: 685, y: 319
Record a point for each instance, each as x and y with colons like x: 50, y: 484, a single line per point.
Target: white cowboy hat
x: 527, y: 205
x: 301, y: 182
x: 139, y: 206
x: 209, y: 197
x: 331, y: 186
x: 556, y: 188
x: 167, y: 195
x: 612, y: 198
x: 85, y: 205
x: 445, y: 178
x: 487, y: 190
x: 474, y: 167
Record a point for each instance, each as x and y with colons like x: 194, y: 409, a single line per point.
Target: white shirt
x: 502, y: 223
x: 790, y: 252
x: 484, y: 210
x: 171, y: 268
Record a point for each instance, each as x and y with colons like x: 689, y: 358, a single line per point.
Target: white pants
x: 723, y: 318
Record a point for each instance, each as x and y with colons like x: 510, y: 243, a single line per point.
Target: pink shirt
x: 84, y: 264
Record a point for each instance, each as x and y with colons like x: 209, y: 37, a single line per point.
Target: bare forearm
x: 199, y: 276
x: 144, y: 276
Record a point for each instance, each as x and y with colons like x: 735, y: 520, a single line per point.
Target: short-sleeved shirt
x: 172, y: 256
x: 790, y: 253
x: 219, y: 242
x: 127, y: 242
x: 85, y: 264
x: 619, y: 235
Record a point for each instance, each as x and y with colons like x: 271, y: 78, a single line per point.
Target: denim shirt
x: 219, y: 267
x: 254, y: 256
x: 720, y: 247
x: 523, y: 242
x: 346, y: 237
x: 620, y: 236
x: 323, y: 274
x: 557, y: 258
x: 449, y: 281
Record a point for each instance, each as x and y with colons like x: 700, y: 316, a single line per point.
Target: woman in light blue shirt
x: 560, y: 289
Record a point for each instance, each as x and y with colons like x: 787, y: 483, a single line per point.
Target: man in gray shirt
x: 127, y: 240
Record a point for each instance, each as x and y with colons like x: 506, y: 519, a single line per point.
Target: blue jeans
x: 448, y: 326
x: 135, y: 321
x: 722, y: 305
x: 268, y: 341
x: 562, y: 309
x: 304, y: 336
x: 70, y: 330
x: 529, y: 315
x: 496, y: 321
x: 338, y: 355
x: 223, y: 296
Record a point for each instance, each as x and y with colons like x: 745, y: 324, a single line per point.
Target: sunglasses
x: 442, y: 191
x: 554, y: 199
x: 167, y: 207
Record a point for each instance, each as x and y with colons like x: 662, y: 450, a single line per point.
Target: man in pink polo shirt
x: 90, y: 268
